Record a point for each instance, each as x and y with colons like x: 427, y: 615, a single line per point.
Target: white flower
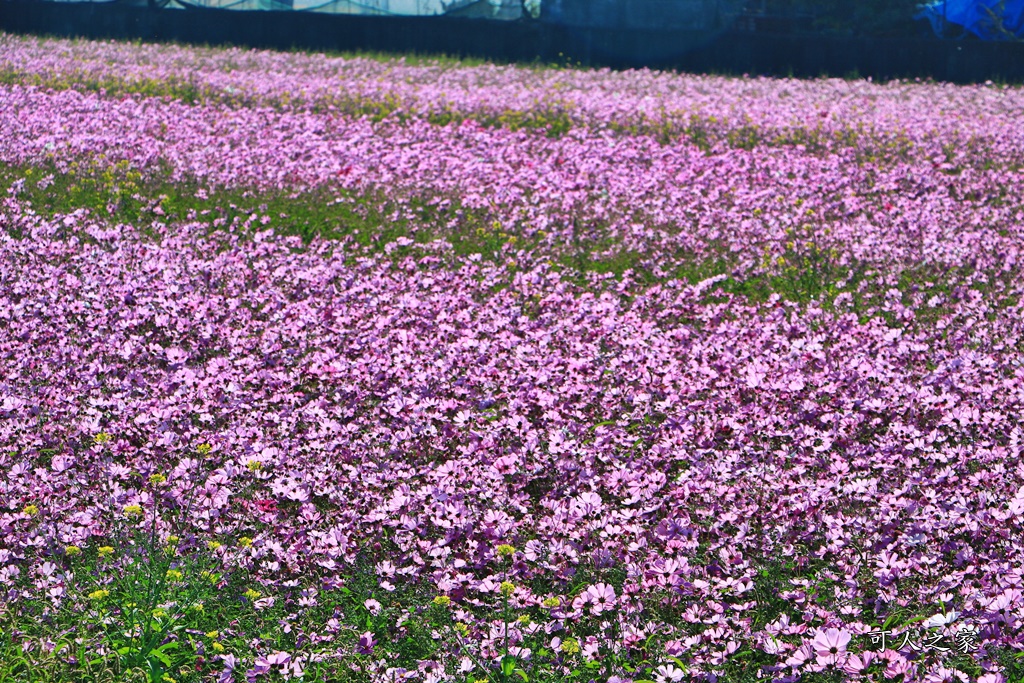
x: 667, y: 673
x: 940, y: 619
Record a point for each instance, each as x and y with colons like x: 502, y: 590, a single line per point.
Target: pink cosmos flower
x: 1000, y: 608
x: 830, y: 647
x: 800, y: 656
x: 227, y: 674
x: 856, y: 664
x: 601, y: 596
x: 941, y: 674
x: 264, y: 665
x: 366, y: 643
x: 668, y: 673
x: 591, y: 648
x: 992, y: 678
x: 899, y: 666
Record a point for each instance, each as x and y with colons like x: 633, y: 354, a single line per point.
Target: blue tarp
x: 987, y: 19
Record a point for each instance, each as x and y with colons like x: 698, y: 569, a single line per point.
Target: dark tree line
x: 858, y: 17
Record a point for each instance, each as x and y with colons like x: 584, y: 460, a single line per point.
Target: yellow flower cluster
x: 551, y: 602
x: 254, y: 465
x: 99, y: 595
x: 213, y: 545
x: 204, y: 449
x: 72, y: 550
x: 252, y: 594
x: 507, y: 588
x: 505, y: 550
x: 570, y: 646
x: 102, y: 438
x: 30, y: 510
x: 245, y: 542
x: 105, y: 550
x: 157, y: 479
x: 133, y: 510
x: 442, y: 600
x: 173, y: 575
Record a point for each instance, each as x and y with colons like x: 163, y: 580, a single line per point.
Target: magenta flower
x: 266, y: 505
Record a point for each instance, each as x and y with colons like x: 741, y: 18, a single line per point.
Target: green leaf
x: 508, y: 665
x: 678, y: 662
x: 13, y: 666
x: 162, y: 657
x: 522, y: 674
x: 156, y: 671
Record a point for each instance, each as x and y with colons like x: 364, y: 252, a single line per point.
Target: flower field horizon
x: 347, y: 369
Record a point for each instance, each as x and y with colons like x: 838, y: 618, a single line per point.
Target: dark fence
x: 730, y: 51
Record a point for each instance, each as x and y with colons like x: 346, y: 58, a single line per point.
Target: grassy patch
x: 376, y: 221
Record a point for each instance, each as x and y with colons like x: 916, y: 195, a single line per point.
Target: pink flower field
x: 356, y: 369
